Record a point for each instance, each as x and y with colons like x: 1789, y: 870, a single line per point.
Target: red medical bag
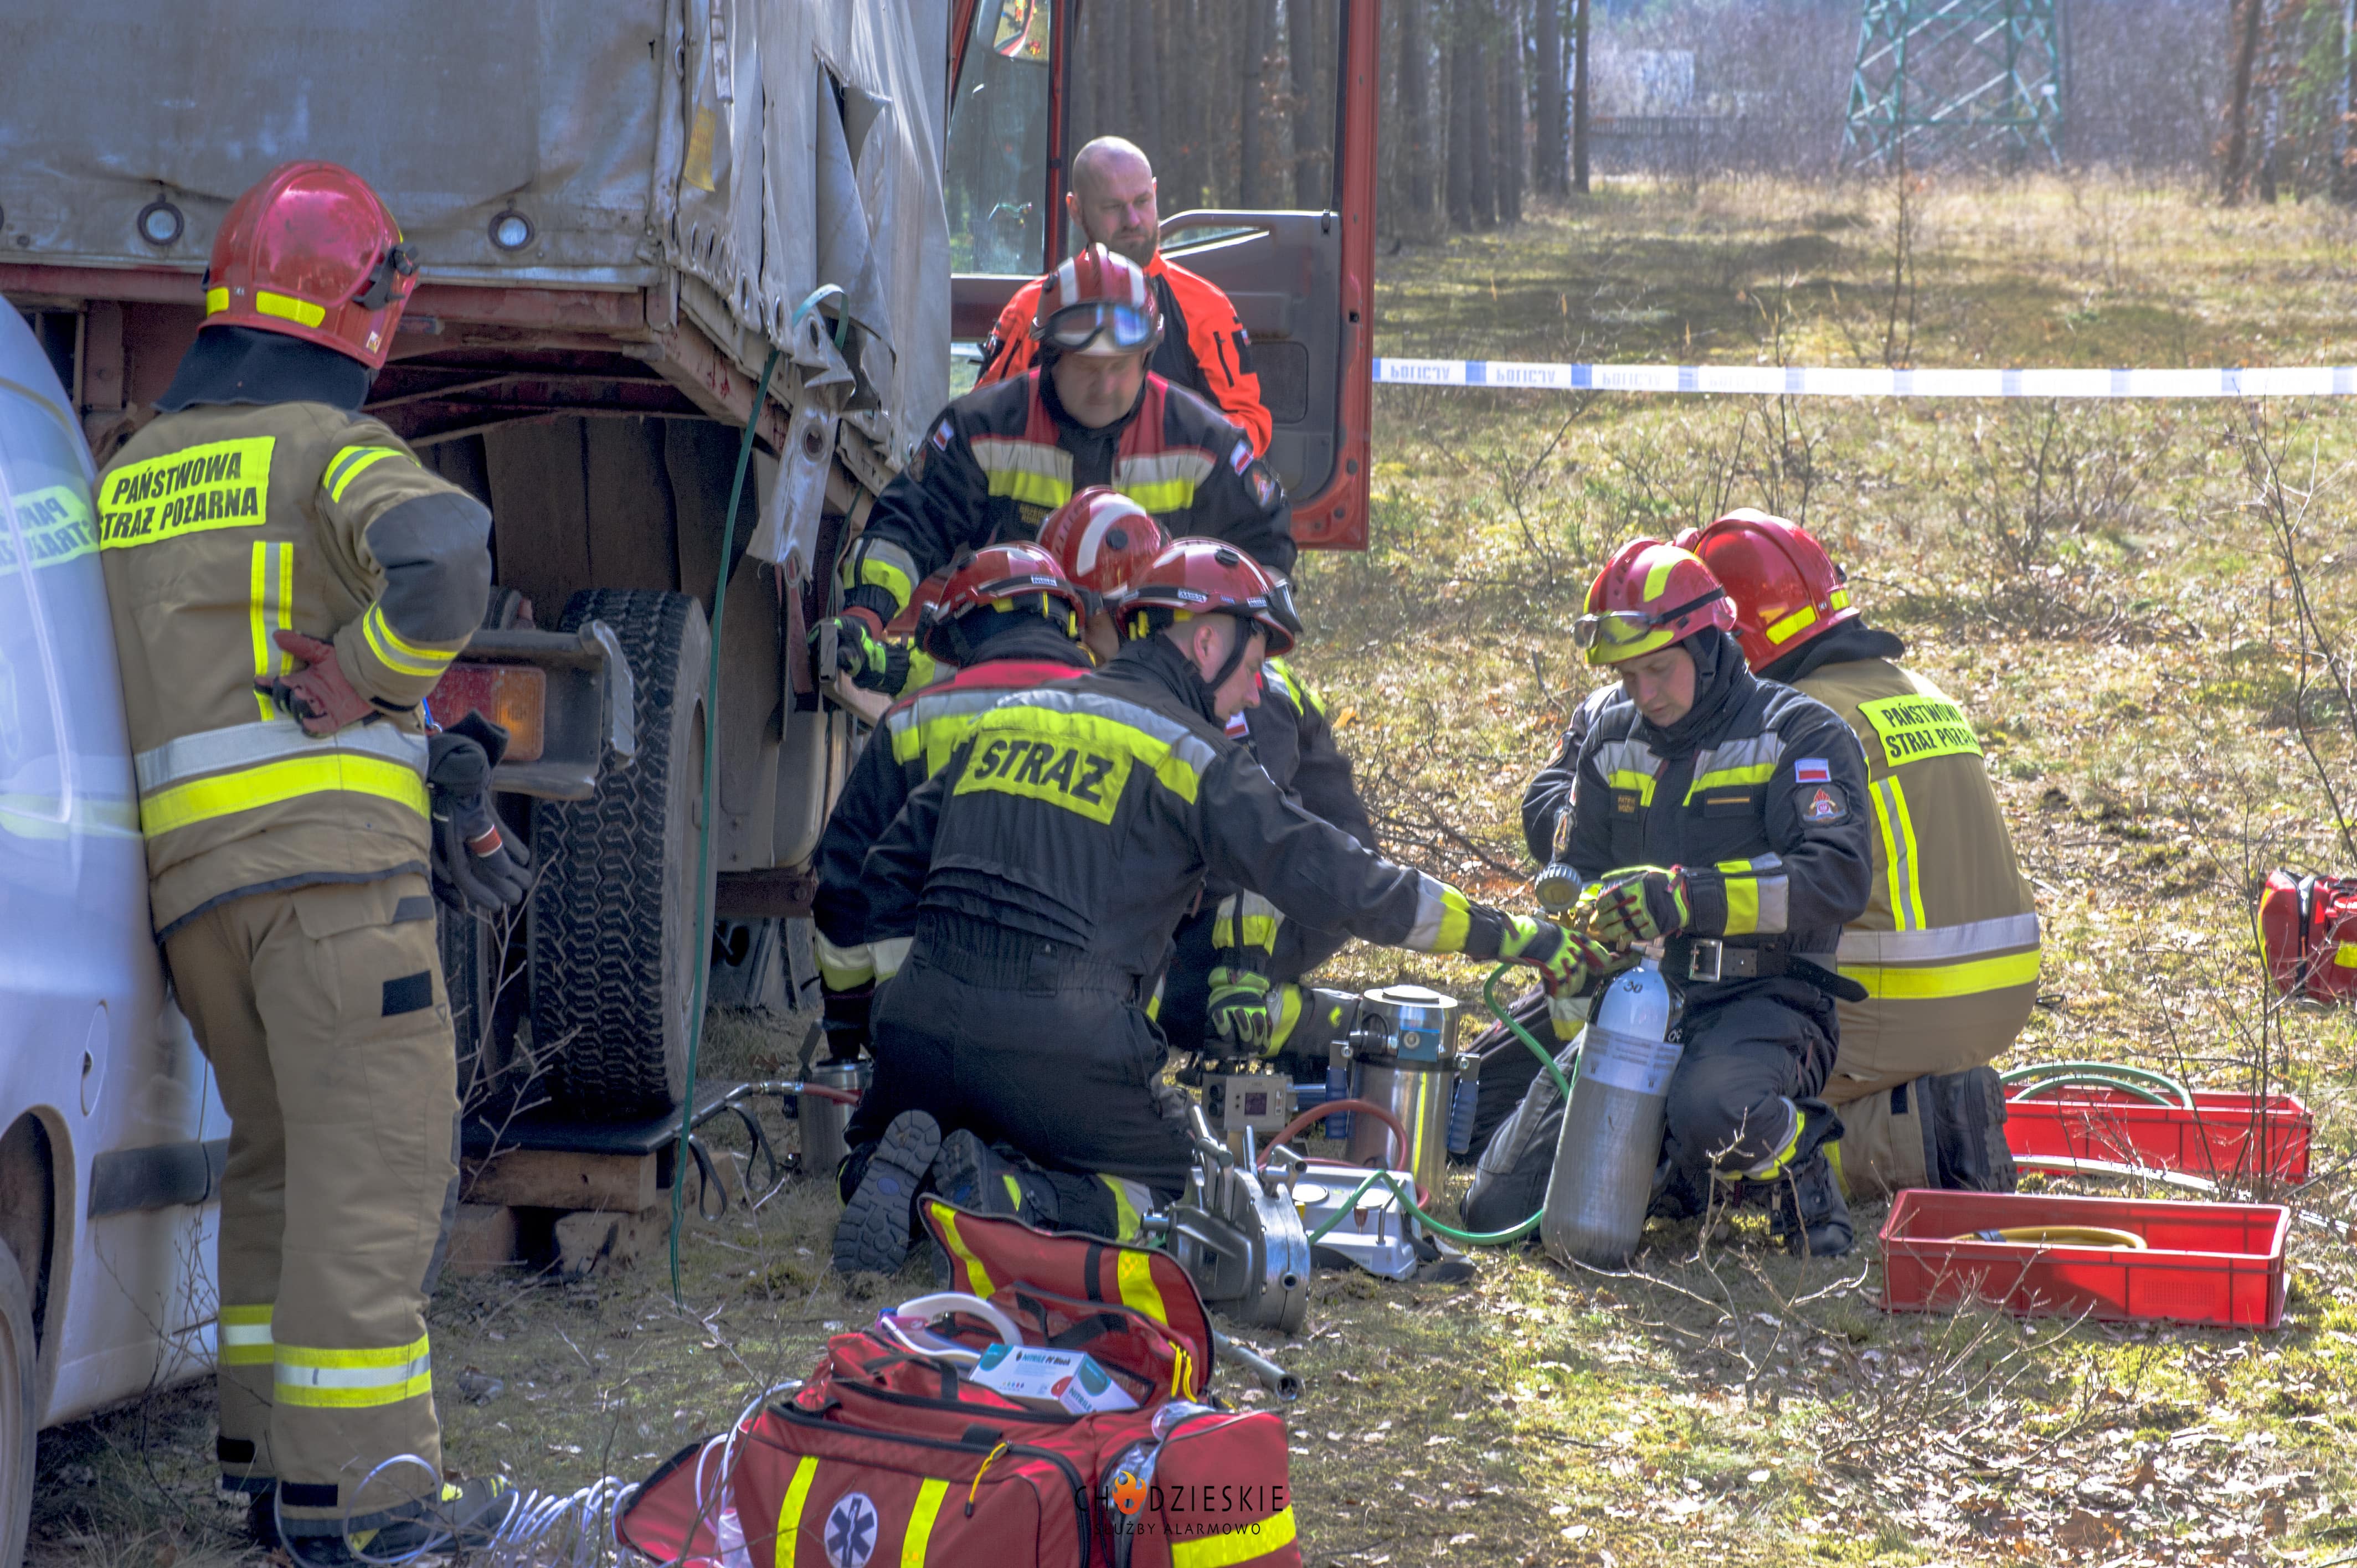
x: 886, y: 1456
x: 2308, y: 926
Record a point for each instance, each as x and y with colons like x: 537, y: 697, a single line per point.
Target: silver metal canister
x: 1404, y: 1059
x: 822, y: 1120
x: 1611, y: 1136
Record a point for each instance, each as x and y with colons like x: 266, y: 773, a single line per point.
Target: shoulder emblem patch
x: 1265, y: 488
x: 1822, y: 804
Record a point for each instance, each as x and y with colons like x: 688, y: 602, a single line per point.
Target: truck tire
x: 614, y: 942
x: 20, y: 1419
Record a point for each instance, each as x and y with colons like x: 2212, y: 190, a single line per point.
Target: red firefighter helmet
x: 1097, y: 304
x: 928, y: 594
x: 1785, y: 588
x: 999, y: 577
x: 1102, y: 538
x: 312, y: 252
x: 1649, y: 595
x: 1204, y: 576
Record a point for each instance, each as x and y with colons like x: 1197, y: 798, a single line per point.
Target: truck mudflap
x: 565, y: 699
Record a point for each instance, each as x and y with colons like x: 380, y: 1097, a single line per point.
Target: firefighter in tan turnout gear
x: 287, y: 584
x: 1947, y: 948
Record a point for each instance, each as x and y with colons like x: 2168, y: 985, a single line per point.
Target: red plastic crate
x: 2204, y: 1262
x: 2221, y: 1136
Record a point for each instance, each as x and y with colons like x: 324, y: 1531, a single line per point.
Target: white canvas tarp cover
x: 764, y: 147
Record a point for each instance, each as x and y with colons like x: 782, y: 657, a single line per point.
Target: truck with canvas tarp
x: 622, y: 209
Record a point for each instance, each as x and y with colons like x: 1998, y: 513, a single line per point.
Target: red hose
x: 1320, y: 1113
x: 840, y: 1096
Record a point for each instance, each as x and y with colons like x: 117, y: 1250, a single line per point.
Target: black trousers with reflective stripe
x: 1055, y: 1059
x: 1747, y: 1048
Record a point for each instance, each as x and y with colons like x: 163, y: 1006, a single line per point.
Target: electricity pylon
x: 1937, y: 78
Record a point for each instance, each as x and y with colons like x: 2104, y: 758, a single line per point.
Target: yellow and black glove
x: 1565, y: 961
x: 1637, y: 904
x: 1239, y: 1010
x: 870, y: 661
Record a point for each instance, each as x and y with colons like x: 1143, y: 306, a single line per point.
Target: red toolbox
x: 2221, y: 1136
x: 2202, y: 1263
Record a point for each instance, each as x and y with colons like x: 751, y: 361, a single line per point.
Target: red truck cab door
x: 1303, y: 281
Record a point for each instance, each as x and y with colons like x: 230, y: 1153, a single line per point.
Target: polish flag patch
x: 1812, y: 770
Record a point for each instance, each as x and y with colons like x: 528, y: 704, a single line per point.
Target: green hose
x: 2100, y: 1075
x: 702, y: 930
x: 1408, y: 1199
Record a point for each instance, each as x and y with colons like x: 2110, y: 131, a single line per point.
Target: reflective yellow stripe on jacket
x: 1246, y: 920
x: 217, y: 773
x: 1026, y: 470
x: 1944, y: 962
x: 271, y: 608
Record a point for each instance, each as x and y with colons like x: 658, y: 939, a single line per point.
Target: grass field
x: 2095, y: 582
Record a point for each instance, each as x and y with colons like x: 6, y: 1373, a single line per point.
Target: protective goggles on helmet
x: 1126, y: 327
x: 1619, y: 629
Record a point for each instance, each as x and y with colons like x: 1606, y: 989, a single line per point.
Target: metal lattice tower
x: 1941, y: 79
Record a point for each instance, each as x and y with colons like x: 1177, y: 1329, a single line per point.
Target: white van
x: 112, y: 1137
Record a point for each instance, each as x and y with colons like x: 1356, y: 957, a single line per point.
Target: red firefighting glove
x: 870, y: 661
x: 479, y: 867
x: 1636, y: 904
x: 317, y: 696
x: 1565, y: 961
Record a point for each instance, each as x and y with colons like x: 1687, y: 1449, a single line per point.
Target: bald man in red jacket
x: 1204, y: 347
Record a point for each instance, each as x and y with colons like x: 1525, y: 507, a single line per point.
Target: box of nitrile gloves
x: 1065, y: 1380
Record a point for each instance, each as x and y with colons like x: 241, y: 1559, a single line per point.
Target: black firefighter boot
x: 1964, y: 1115
x: 971, y: 1174
x: 1806, y: 1211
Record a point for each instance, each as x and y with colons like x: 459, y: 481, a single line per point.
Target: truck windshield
x: 1247, y: 121
x: 998, y: 174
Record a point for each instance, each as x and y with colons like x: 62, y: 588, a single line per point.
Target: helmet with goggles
x: 1649, y: 595
x: 1097, y: 305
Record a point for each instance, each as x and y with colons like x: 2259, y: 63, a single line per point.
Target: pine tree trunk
x: 1461, y: 97
x: 1313, y: 186
x: 1548, y: 174
x: 1480, y: 139
x: 1416, y: 111
x: 1252, y: 77
x: 1579, y: 96
x: 2235, y: 177
x: 1145, y: 91
x: 1511, y: 114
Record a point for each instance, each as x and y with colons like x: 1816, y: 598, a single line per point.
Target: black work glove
x: 870, y: 661
x: 479, y: 867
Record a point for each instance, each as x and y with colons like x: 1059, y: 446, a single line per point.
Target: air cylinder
x: 1611, y: 1138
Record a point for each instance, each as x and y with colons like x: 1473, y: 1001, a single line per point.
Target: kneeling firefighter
x: 1008, y: 619
x: 1726, y: 817
x: 1947, y: 946
x: 1039, y: 876
x: 287, y: 584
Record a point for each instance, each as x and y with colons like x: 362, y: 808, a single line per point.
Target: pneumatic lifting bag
x: 2308, y: 926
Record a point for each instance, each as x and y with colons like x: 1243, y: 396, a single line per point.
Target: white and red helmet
x: 1102, y: 538
x: 1097, y: 304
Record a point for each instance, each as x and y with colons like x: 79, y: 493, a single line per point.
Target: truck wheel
x: 614, y: 946
x: 19, y: 1422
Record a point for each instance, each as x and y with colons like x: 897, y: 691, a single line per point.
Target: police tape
x: 1821, y: 381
